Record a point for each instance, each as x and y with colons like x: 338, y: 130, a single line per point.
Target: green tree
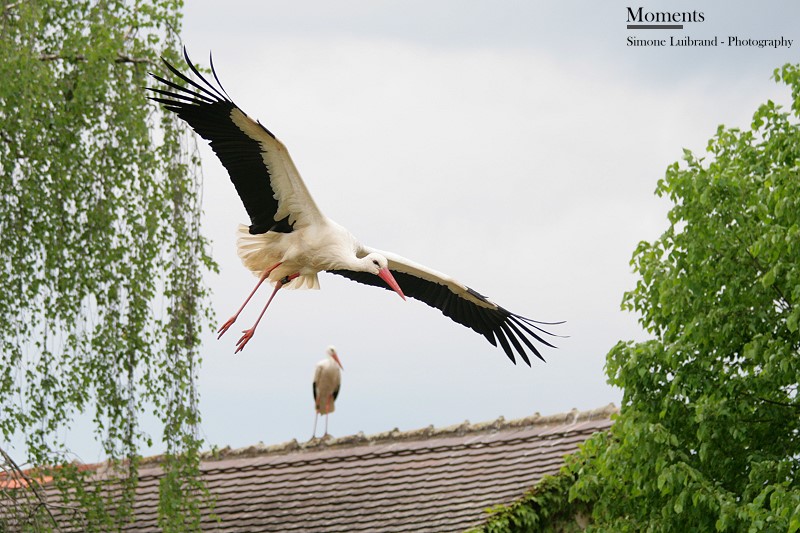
x: 101, y: 259
x: 708, y: 437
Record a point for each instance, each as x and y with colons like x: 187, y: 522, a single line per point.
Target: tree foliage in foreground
x: 101, y: 259
x: 708, y: 437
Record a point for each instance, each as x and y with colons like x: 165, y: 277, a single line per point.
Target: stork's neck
x: 341, y: 249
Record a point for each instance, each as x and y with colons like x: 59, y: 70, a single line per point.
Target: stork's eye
x: 375, y: 262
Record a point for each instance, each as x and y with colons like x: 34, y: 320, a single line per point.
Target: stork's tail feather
x: 325, y: 408
x: 304, y: 282
x: 252, y: 250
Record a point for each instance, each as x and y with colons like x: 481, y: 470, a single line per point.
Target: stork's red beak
x: 386, y: 276
x: 336, y: 358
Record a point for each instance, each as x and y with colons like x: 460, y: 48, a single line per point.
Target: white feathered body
x: 327, y: 380
x: 306, y: 251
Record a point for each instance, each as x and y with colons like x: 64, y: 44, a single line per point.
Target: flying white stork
x: 327, y: 381
x: 289, y: 240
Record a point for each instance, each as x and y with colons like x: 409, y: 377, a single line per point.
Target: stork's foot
x: 247, y: 335
x: 226, y: 326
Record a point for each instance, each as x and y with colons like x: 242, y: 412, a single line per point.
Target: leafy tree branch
x: 708, y: 437
x: 101, y: 256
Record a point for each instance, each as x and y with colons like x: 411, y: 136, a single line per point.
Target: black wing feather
x: 207, y: 109
x: 496, y: 324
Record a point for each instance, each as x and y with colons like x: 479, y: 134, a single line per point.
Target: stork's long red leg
x: 248, y: 333
x: 264, y: 275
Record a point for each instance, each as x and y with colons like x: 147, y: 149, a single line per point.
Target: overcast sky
x: 512, y: 145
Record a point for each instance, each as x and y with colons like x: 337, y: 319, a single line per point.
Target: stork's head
x: 333, y: 355
x: 379, y: 265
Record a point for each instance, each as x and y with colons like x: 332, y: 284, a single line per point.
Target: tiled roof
x: 424, y: 480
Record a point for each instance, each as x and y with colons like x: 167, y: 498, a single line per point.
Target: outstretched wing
x: 271, y: 189
x: 462, y: 304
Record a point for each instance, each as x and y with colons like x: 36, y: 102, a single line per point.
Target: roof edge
x: 317, y: 444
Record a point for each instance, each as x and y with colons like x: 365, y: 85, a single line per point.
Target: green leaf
x: 102, y: 309
x: 707, y: 435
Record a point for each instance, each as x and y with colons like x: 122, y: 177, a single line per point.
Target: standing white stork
x: 327, y: 382
x: 289, y: 240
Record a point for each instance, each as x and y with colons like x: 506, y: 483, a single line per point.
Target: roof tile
x: 431, y: 479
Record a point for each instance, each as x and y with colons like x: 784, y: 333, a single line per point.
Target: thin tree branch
x: 771, y: 402
x: 782, y: 298
x: 33, y: 485
x: 121, y: 58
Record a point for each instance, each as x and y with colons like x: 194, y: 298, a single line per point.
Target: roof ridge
x: 571, y: 417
